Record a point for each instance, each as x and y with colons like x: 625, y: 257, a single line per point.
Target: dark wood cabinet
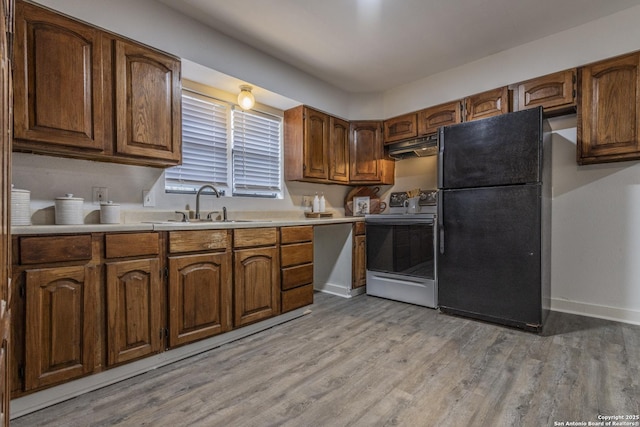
x: 339, y: 150
x: 487, y: 104
x: 148, y: 103
x: 609, y: 110
x: 256, y: 275
x: 555, y: 93
x: 401, y: 127
x: 61, y: 322
x: 296, y: 260
x: 359, y: 265
x: 430, y: 119
x: 306, y: 144
x: 324, y: 149
x: 200, y: 285
x: 83, y: 92
x: 55, y: 310
x: 58, y: 88
x: 135, y: 300
x: 6, y: 135
x: 368, y: 163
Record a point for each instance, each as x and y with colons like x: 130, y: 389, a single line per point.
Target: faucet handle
x: 184, y: 216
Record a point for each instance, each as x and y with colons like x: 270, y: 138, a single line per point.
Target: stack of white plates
x: 69, y: 210
x: 20, y: 207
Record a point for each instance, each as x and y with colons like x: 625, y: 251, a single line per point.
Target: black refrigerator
x: 494, y: 219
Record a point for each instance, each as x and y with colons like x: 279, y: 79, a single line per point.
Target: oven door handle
x: 440, y: 223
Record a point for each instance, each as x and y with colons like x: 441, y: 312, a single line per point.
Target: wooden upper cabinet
x: 430, y: 119
x: 367, y: 161
x: 58, y: 86
x: 339, y: 150
x: 608, y: 110
x: 306, y: 145
x: 401, y: 127
x: 487, y: 104
x: 148, y: 103
x: 83, y: 92
x: 316, y: 144
x: 554, y: 92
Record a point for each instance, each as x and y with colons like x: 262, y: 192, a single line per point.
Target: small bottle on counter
x: 322, y: 204
x: 316, y: 203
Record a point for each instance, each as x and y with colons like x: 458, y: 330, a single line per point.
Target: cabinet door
x: 316, y: 144
x: 487, y: 104
x: 359, y: 261
x: 60, y: 324
x: 199, y: 297
x: 366, y: 154
x: 608, y: 110
x: 552, y: 92
x: 430, y: 119
x: 339, y: 150
x: 134, y: 307
x: 148, y: 103
x: 401, y: 127
x: 257, y: 285
x: 59, y: 93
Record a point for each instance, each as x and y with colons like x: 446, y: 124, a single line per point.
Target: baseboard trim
x: 595, y: 310
x: 51, y: 396
x: 339, y: 290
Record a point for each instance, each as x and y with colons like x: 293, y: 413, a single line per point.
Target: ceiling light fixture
x: 245, y: 97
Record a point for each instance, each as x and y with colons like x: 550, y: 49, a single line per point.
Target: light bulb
x: 245, y: 98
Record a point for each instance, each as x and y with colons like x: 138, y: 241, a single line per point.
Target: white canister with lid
x: 20, y: 207
x: 69, y: 210
x: 109, y: 213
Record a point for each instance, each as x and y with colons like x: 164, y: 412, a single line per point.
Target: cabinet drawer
x: 296, y: 234
x: 38, y: 250
x: 296, y: 298
x: 358, y: 228
x: 201, y: 240
x: 293, y: 277
x: 248, y: 237
x: 134, y: 244
x: 300, y: 253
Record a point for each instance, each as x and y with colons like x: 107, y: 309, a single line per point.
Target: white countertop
x: 175, y: 225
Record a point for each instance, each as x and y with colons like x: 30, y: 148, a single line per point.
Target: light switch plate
x: 100, y: 195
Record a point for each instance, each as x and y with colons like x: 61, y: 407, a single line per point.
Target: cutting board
x: 375, y: 205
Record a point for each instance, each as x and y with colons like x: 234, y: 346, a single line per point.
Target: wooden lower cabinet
x: 296, y: 260
x: 61, y: 322
x: 134, y: 309
x: 359, y: 268
x: 257, y: 284
x: 199, y: 297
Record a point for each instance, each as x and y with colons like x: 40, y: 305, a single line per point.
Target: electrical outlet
x: 100, y: 195
x: 148, y: 199
x: 307, y: 201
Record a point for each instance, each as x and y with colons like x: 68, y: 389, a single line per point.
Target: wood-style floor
x: 368, y: 361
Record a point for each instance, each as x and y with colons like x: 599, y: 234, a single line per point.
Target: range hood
x: 418, y: 147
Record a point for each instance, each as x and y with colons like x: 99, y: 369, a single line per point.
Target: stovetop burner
x: 428, y: 201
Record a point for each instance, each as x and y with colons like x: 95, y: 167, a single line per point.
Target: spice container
x: 69, y: 210
x: 109, y: 213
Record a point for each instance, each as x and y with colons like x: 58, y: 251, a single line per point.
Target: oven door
x: 401, y: 255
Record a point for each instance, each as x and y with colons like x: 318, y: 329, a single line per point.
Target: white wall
x: 596, y: 232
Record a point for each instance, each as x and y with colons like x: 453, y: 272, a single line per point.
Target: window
x: 236, y: 151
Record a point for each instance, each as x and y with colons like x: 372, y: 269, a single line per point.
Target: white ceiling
x: 375, y: 45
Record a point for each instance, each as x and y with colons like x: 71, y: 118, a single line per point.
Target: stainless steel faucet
x: 198, y: 197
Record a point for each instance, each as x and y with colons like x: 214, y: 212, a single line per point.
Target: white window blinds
x: 204, y: 145
x: 256, y: 154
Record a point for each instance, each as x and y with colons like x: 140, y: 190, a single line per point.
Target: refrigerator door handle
x: 440, y: 223
x: 440, y: 156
